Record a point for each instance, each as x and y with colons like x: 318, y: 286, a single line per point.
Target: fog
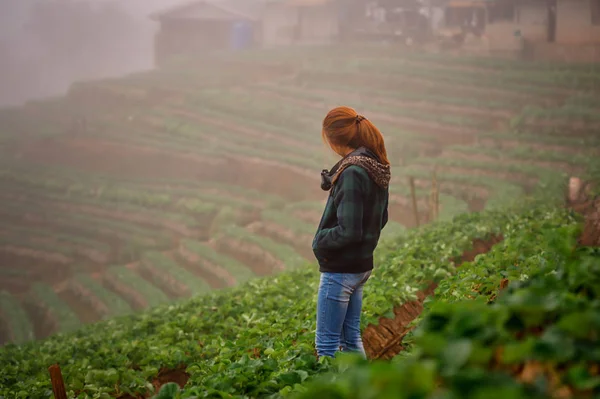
x: 45, y: 45
x: 125, y: 194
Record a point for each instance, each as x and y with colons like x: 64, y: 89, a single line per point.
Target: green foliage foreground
x: 257, y: 340
x: 538, y: 339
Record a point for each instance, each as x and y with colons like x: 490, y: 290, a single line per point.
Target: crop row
x: 378, y: 107
x: 158, y: 278
x: 242, y: 111
x: 370, y: 57
x: 108, y: 193
x: 197, y: 145
x: 518, y: 81
x: 196, y: 128
x: 534, y: 339
x: 273, y: 318
x: 17, y: 320
x: 320, y: 93
x: 124, y: 189
x: 523, y: 152
x: 197, y: 252
x: 578, y: 114
x: 496, y: 192
x: 520, y: 173
x: 101, y: 191
x: 430, y: 83
x: 163, y: 269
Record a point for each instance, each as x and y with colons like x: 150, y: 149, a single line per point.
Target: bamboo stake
x: 58, y: 384
x: 414, y: 199
x: 432, y: 198
x: 437, y: 201
x: 436, y: 196
x: 431, y: 204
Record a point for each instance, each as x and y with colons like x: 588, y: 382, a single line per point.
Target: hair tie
x: 360, y: 118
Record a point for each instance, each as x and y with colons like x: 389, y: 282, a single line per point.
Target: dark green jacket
x: 349, y: 231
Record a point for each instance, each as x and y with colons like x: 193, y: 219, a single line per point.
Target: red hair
x: 344, y: 127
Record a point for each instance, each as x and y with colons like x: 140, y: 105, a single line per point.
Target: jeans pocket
x: 338, y: 289
x: 354, y: 280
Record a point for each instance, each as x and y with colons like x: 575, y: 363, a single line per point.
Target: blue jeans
x: 339, y: 306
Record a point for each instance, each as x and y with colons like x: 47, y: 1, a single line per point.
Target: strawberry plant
x: 536, y: 339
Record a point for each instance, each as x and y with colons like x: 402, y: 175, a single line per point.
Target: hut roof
x: 222, y: 10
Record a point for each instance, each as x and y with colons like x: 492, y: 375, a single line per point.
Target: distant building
x: 287, y: 22
x: 578, y: 21
x: 206, y: 25
x: 568, y: 29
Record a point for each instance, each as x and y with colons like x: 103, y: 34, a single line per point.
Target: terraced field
x: 134, y: 192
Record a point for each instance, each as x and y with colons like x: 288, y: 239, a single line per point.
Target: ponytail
x: 344, y: 127
x: 370, y: 137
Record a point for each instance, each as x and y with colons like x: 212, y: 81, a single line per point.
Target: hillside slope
x: 257, y: 339
x: 147, y: 189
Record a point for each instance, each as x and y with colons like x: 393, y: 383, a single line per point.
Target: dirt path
x: 235, y: 127
x: 15, y: 285
x: 82, y: 301
x: 148, y: 220
x: 34, y: 265
x: 261, y: 262
x: 591, y: 232
x: 216, y: 276
x: 287, y: 181
x: 277, y: 233
x: 44, y: 321
x: 6, y: 335
x: 590, y: 208
x: 98, y: 234
x: 384, y: 341
x: 114, y: 158
x: 130, y: 295
x: 166, y: 283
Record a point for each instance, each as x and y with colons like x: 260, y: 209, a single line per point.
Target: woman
x: 349, y: 231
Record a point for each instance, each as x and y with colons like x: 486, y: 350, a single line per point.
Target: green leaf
x: 457, y: 353
x: 580, y: 377
x: 269, y: 351
x: 168, y: 391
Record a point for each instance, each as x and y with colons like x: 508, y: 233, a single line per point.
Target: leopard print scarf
x: 380, y: 173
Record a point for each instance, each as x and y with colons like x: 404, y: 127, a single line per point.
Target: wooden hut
x: 200, y: 26
x: 287, y: 22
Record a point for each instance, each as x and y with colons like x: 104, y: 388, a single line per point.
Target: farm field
x: 144, y: 191
x: 520, y: 289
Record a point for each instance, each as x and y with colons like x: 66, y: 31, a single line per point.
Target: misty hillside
x: 157, y: 224
x: 46, y: 45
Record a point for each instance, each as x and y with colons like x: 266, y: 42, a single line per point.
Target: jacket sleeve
x: 386, y: 215
x: 349, y: 201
